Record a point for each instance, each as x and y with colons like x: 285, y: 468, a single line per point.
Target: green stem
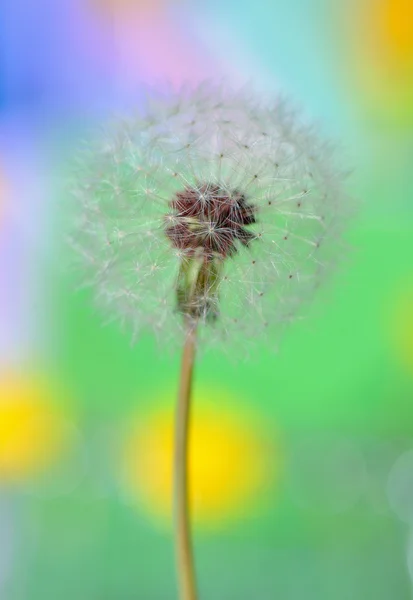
x: 183, y: 543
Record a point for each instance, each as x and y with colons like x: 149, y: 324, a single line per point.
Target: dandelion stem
x: 183, y: 542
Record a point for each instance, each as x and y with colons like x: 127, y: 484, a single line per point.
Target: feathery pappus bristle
x: 211, y: 204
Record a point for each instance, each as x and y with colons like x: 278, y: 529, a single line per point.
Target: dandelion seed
x: 210, y: 214
x: 196, y: 190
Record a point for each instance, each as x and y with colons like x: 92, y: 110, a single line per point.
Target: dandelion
x: 208, y: 215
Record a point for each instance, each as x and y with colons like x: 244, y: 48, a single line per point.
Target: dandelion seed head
x: 207, y: 179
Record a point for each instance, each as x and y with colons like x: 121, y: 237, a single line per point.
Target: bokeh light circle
x: 232, y: 460
x: 378, y: 48
x: 400, y: 487
x: 395, y: 31
x: 34, y: 430
x: 327, y: 473
x: 380, y: 456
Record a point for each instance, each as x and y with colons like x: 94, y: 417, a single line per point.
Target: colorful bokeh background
x: 301, y: 462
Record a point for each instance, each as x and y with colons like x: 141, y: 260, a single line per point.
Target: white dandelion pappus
x: 213, y: 178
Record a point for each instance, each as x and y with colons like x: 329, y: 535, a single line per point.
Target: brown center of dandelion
x: 210, y: 220
x: 208, y: 223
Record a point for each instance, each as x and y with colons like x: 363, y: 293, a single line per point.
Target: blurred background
x: 301, y: 462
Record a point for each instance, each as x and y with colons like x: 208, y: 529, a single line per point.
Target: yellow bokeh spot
x: 380, y: 56
x: 32, y: 428
x: 395, y: 28
x: 231, y: 460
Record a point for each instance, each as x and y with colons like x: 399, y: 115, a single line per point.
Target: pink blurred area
x: 155, y: 42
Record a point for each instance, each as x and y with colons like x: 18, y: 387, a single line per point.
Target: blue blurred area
x: 291, y: 40
x: 55, y: 58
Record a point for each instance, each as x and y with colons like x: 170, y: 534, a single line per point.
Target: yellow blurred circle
x: 231, y: 459
x: 379, y: 52
x: 32, y: 427
x: 395, y: 31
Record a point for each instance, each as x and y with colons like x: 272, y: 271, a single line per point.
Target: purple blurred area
x: 57, y: 57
